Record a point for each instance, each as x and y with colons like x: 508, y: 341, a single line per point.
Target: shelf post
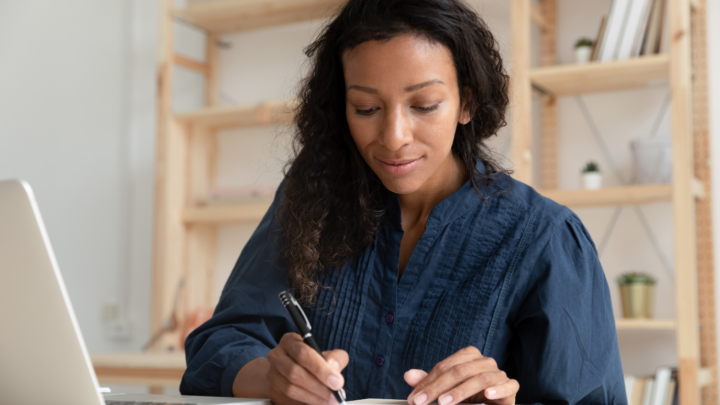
x: 170, y: 187
x: 683, y: 204
x: 703, y: 207
x: 548, y: 103
x: 520, y: 91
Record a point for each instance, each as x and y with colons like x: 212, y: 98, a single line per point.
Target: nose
x: 396, y: 131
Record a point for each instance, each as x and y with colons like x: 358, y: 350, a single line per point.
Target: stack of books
x: 660, y: 389
x: 632, y: 28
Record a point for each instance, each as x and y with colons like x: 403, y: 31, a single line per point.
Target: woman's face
x: 402, y: 107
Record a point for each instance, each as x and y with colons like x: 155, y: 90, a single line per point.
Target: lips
x: 398, y: 166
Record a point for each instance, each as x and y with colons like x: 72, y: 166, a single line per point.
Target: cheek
x: 362, y: 132
x: 437, y: 131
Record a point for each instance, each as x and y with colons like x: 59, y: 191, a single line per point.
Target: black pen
x: 304, y: 329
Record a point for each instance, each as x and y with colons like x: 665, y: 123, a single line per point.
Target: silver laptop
x: 43, y: 359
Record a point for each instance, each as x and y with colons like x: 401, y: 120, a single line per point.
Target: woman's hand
x: 465, y: 376
x: 299, y: 375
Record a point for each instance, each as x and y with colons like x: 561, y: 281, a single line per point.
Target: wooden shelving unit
x: 645, y: 324
x: 684, y: 70
x: 242, y: 116
x: 225, y: 214
x: 221, y: 17
x: 565, y: 80
x: 184, y: 228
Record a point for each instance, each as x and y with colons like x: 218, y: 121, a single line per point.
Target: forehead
x: 403, y: 60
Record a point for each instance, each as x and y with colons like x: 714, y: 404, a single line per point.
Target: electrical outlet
x: 118, y: 329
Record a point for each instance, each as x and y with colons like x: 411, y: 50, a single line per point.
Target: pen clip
x: 307, y: 322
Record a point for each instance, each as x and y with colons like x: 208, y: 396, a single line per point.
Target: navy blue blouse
x: 516, y: 275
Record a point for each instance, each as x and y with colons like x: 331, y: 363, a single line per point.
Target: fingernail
x: 334, y: 382
x: 420, y: 399
x: 491, y: 393
x: 445, y: 400
x: 335, y: 364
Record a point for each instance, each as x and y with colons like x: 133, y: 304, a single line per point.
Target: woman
x: 425, y: 270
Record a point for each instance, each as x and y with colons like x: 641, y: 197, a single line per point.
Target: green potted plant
x: 592, y: 178
x: 637, y: 293
x: 583, y: 50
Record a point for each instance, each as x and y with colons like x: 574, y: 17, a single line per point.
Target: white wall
x: 70, y: 126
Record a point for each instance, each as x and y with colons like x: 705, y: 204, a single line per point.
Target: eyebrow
x: 408, y: 89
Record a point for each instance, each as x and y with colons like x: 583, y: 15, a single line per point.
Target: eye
x: 428, y: 109
x: 365, y: 112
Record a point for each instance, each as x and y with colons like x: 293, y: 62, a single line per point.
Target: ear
x: 465, y: 113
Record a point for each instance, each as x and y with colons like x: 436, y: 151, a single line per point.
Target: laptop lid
x: 43, y: 359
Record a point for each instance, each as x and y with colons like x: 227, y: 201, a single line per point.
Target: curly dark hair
x: 333, y: 202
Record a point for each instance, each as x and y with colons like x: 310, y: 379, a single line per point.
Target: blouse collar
x: 447, y: 210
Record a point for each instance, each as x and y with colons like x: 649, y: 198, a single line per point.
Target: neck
x: 416, y: 206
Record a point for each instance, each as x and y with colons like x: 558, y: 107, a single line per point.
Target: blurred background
x: 78, y: 121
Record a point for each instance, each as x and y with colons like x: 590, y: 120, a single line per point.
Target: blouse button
x: 389, y: 318
x: 379, y: 361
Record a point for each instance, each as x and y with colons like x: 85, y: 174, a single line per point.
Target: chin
x: 402, y: 186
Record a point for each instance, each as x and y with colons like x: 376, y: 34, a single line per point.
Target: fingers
x: 283, y: 391
x: 297, y: 375
x: 414, y: 376
x: 337, y: 358
x: 507, y: 389
x: 492, y: 385
x: 465, y: 355
x: 454, y: 376
x: 311, y: 360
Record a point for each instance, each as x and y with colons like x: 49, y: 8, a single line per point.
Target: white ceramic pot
x: 582, y: 54
x: 592, y: 180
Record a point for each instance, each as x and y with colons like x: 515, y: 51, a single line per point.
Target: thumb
x: 337, y: 358
x: 414, y: 376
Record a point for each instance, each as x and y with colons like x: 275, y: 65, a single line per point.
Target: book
x: 660, y: 386
x: 651, y: 42
x: 640, y: 31
x: 636, y: 11
x: 598, y: 39
x: 629, y: 386
x: 616, y: 23
x: 647, y: 392
x: 638, y: 391
x: 672, y: 389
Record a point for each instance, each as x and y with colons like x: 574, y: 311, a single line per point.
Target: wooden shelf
x: 565, y: 80
x: 154, y: 369
x: 225, y: 16
x: 610, y: 196
x: 241, y: 116
x: 644, y: 324
x: 223, y: 214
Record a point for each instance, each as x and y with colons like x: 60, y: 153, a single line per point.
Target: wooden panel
x: 170, y: 192
x: 222, y: 214
x: 269, y: 113
x: 595, y: 77
x: 537, y: 16
x: 610, y: 196
x: 520, y: 91
x: 191, y: 64
x: 548, y: 104
x: 644, y: 324
x: 688, y: 339
x: 159, y: 369
x: 236, y: 15
x: 199, y: 265
x: 703, y: 208
x: 212, y: 59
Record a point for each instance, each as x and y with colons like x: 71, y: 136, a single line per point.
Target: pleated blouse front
x: 514, y: 275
